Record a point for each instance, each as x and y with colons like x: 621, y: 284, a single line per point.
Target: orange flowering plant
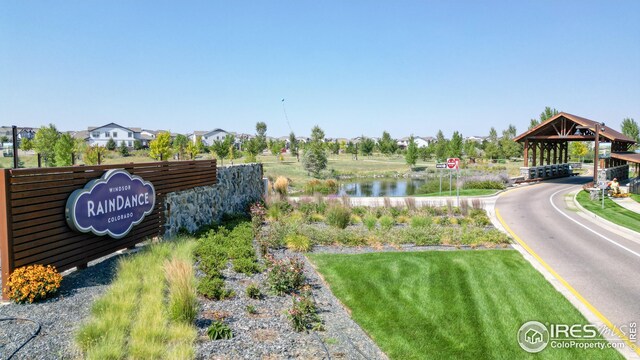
x: 33, y: 282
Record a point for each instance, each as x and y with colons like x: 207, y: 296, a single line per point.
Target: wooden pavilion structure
x: 546, y: 148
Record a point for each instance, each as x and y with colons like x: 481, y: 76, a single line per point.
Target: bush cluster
x: 214, y: 250
x: 285, y: 276
x: 32, y: 283
x: 316, y: 186
x: 303, y: 314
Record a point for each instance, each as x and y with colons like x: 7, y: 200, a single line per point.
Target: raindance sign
x: 111, y: 205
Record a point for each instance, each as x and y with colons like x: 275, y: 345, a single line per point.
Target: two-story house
x: 101, y: 135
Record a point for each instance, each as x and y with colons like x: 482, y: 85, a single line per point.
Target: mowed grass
x: 612, y: 211
x: 449, y: 304
x: 132, y: 320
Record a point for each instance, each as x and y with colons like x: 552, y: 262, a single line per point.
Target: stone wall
x: 238, y: 186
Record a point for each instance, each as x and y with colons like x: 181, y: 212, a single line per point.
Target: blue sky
x: 352, y: 67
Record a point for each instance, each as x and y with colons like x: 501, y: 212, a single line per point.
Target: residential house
x: 101, y: 135
x: 23, y: 132
x: 421, y: 141
x: 208, y: 137
x: 478, y: 139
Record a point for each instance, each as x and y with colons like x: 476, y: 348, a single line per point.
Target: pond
x: 385, y: 187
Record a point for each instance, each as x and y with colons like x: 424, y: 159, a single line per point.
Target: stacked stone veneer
x: 238, y: 186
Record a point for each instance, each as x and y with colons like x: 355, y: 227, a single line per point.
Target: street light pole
x: 595, y: 154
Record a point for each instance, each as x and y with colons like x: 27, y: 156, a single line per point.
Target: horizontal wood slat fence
x: 33, y: 229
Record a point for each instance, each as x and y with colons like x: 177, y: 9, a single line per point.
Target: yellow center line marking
x: 600, y: 316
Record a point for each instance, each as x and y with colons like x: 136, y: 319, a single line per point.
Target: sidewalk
x: 628, y: 204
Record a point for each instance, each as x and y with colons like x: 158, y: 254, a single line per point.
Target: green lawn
x: 612, y: 211
x: 449, y: 304
x: 464, y: 192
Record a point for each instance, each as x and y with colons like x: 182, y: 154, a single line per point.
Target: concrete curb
x: 621, y: 230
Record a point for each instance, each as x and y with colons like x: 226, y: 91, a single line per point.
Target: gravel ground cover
x: 269, y: 335
x: 59, y: 316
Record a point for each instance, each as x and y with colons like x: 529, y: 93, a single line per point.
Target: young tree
x: 92, y: 154
x: 276, y: 146
x: 160, y: 147
x: 630, y: 128
x: 44, y: 143
x: 387, y: 145
x: 492, y: 147
x: 426, y: 152
x: 547, y: 114
x: 3, y: 139
x: 508, y: 147
x: 314, y: 158
x: 334, y: 147
x: 470, y: 149
x: 137, y: 144
x: 578, y: 150
x: 261, y: 131
x: 351, y: 148
x: 293, y: 146
x: 441, y: 146
x: 412, y: 152
x: 180, y: 145
x: 454, y: 149
x: 111, y: 144
x: 26, y: 144
x: 251, y: 148
x: 123, y: 149
x: 192, y: 150
x: 63, y: 150
x: 366, y: 146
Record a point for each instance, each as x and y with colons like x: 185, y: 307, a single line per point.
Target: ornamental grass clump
x: 370, y: 221
x: 386, y: 222
x: 32, y: 283
x: 297, y: 242
x: 183, y: 302
x: 281, y: 186
x: 338, y: 216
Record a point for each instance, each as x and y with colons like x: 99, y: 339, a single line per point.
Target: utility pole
x: 596, y: 156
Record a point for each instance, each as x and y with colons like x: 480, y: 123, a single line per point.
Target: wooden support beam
x: 526, y: 152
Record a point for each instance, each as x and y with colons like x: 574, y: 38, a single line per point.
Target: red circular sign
x: 452, y: 163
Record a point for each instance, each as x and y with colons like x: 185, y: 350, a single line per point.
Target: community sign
x: 111, y: 205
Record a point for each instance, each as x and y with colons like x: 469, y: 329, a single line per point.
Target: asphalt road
x: 604, y: 267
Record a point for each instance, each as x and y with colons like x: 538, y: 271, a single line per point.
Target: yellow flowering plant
x: 32, y: 283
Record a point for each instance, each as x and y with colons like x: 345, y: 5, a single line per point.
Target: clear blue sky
x: 352, y: 67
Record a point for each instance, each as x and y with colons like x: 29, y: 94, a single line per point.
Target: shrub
x: 386, y: 222
x: 281, y: 185
x: 251, y: 309
x: 303, y: 314
x: 245, y: 265
x: 253, y: 291
x: 183, y: 301
x: 420, y: 221
x: 359, y: 210
x: 402, y: 219
x: 338, y: 216
x: 219, y: 330
x: 331, y: 186
x: 32, y: 283
x: 285, y: 276
x: 355, y: 219
x: 297, y: 242
x: 315, y: 217
x: 213, y: 288
x: 370, y: 221
x: 239, y: 250
x: 479, y: 217
x: 258, y: 213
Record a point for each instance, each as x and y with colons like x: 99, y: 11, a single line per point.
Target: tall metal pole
x: 14, y: 130
x: 450, y: 182
x: 440, y: 171
x: 457, y: 185
x: 595, y: 154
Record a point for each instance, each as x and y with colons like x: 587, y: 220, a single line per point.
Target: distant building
x: 421, y: 141
x: 101, y: 135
